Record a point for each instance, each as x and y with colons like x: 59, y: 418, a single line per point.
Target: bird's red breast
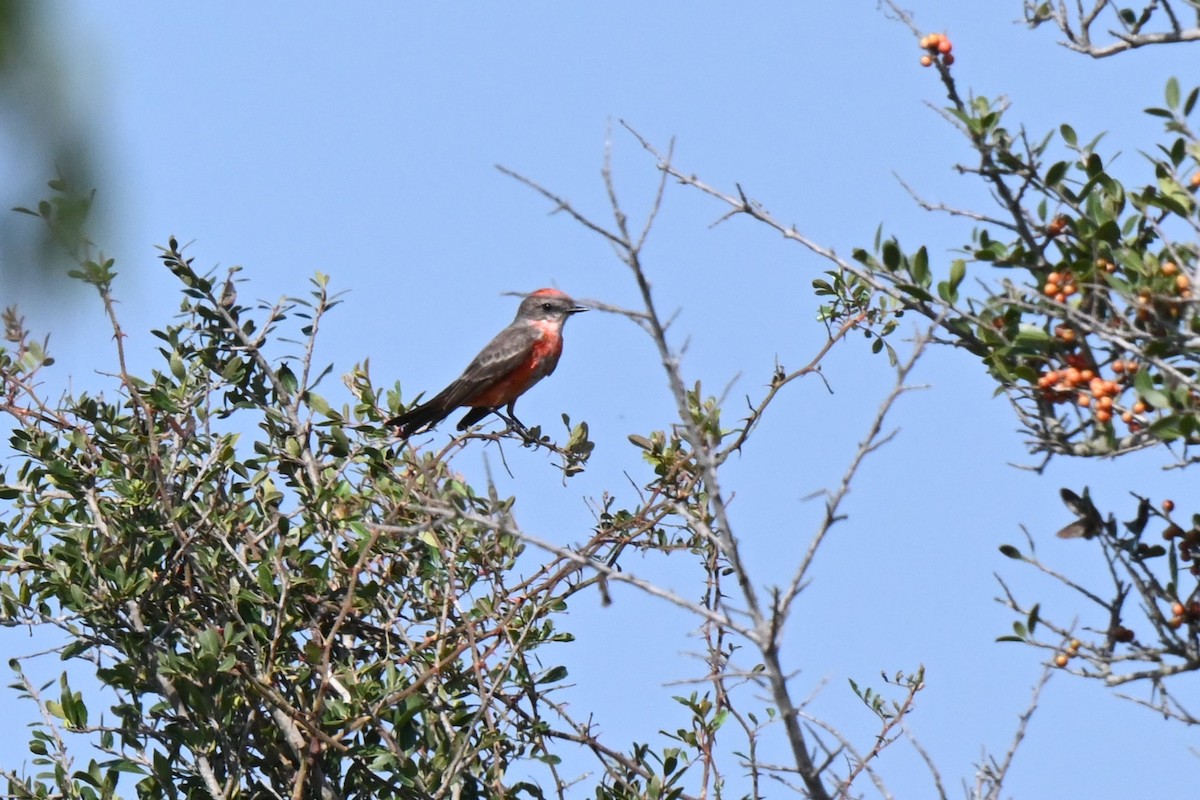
x: 541, y: 361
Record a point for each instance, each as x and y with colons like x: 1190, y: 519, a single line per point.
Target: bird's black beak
x: 578, y: 309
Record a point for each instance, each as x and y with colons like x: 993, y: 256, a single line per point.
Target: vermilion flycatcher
x: 520, y: 356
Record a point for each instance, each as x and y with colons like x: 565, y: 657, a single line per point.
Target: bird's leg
x: 511, y: 420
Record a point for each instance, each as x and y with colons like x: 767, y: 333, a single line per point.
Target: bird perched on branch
x: 520, y: 356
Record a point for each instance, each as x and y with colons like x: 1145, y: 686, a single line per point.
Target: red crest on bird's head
x: 548, y: 293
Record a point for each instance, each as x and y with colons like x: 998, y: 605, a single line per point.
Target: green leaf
x: 1055, y: 174
x: 287, y: 378
x: 1143, y: 383
x: 553, y: 675
x: 958, y: 271
x: 891, y: 255
x: 177, y: 368
x: 317, y: 403
x: 1168, y: 428
x: 1011, y: 552
x: 919, y: 268
x: 1068, y: 135
x: 1172, y: 93
x: 1031, y: 337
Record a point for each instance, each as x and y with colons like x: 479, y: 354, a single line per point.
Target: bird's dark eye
x: 547, y: 306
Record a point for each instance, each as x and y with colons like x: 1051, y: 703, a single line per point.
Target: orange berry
x: 1061, y: 297
x: 1065, y: 333
x: 1051, y: 288
x: 1086, y: 375
x: 1127, y: 417
x: 1168, y: 506
x: 1175, y: 623
x: 1103, y: 417
x: 1061, y: 660
x: 944, y: 46
x: 1069, y: 289
x: 1054, y: 277
x: 948, y: 59
x: 1112, y: 388
x: 1182, y: 282
x: 1057, y: 225
x: 1139, y: 407
x: 1170, y: 268
x: 1177, y: 609
x: 1083, y: 400
x: 1105, y: 404
x: 1196, y: 179
x: 1131, y: 367
x: 1118, y: 366
x: 1071, y: 377
x: 1095, y: 385
x: 926, y: 61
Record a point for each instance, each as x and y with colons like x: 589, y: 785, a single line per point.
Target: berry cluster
x: 1181, y: 614
x: 938, y: 46
x: 1072, y: 650
x: 1073, y: 373
x: 1079, y: 383
x: 1060, y: 286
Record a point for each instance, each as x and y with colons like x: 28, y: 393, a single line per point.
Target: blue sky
x: 361, y: 142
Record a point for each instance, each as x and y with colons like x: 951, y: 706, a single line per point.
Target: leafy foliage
x: 272, y: 597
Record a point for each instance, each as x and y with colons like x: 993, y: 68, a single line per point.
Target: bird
x: 517, y: 358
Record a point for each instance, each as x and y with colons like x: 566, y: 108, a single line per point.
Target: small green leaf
x: 1011, y: 552
x: 317, y: 403
x: 1168, y: 428
x: 1031, y: 337
x: 1172, y: 93
x: 177, y: 368
x: 891, y: 255
x: 287, y: 378
x: 640, y: 442
x: 1055, y: 174
x: 958, y: 271
x: 1144, y: 384
x: 553, y: 675
x: 919, y: 268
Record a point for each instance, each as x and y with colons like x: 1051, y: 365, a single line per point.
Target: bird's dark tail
x: 418, y: 417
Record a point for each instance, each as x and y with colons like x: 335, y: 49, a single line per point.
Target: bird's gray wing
x: 502, y: 355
